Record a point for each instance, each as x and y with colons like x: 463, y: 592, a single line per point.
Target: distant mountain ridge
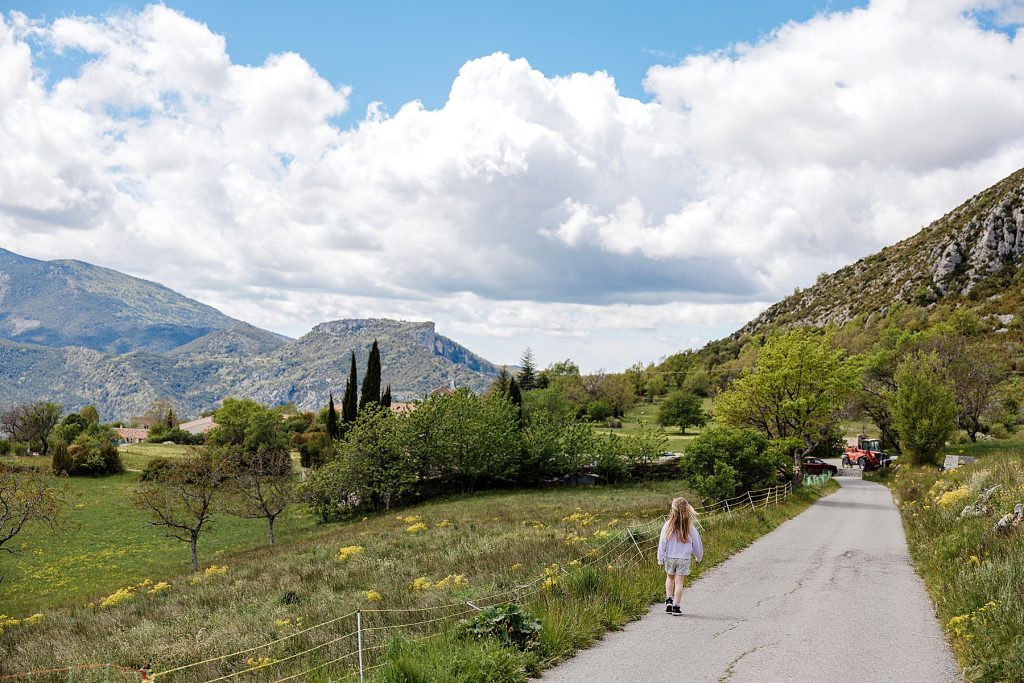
x: 79, y: 334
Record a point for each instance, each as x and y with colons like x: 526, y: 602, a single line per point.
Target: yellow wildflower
x: 417, y: 528
x: 600, y: 533
x: 974, y: 559
x: 550, y: 583
x: 955, y: 497
x: 260, y: 663
x: 215, y: 570
x: 282, y: 622
x: 348, y: 551
x: 117, y: 597
x: 575, y: 563
x: 159, y: 588
x: 420, y: 584
x: 516, y: 567
x: 443, y: 523
x: 374, y: 596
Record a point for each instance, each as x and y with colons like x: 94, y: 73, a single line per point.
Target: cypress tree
x: 528, y: 375
x: 333, y: 429
x: 515, y: 396
x: 371, y: 382
x: 349, y: 408
x: 385, y: 399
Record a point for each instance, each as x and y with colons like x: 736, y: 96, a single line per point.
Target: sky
x: 594, y: 181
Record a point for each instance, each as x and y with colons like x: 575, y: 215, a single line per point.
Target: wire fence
x: 352, y: 642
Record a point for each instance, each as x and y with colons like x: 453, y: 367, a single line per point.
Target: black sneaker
x: 668, y: 605
x: 677, y: 611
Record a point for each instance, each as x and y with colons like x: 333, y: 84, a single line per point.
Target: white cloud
x: 547, y: 210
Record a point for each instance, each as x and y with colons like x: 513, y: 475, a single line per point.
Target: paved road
x: 828, y: 596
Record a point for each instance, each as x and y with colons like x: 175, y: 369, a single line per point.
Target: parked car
x: 818, y: 466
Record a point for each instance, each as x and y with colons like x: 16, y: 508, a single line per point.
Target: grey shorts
x: 675, y: 566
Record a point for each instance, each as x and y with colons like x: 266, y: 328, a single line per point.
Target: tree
x: 371, y: 382
x: 162, y: 411
x: 499, y: 385
x: 975, y: 371
x: 27, y: 498
x: 249, y: 424
x: 924, y: 407
x: 515, y: 397
x: 376, y: 460
x: 350, y: 406
x: 723, y: 461
x: 385, y: 398
x: 90, y: 415
x: 617, y: 391
x: 797, y: 389
x: 333, y: 429
x: 527, y: 374
x: 262, y: 484
x: 181, y: 501
x: 32, y: 423
x: 645, y: 444
x: 682, y: 409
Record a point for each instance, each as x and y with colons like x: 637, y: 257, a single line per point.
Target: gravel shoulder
x: 828, y: 596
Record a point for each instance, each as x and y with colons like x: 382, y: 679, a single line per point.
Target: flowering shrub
x: 417, y: 528
x: 419, y: 585
x: 348, y: 551
x: 117, y: 597
x: 373, y: 596
x: 159, y: 588
x: 215, y: 570
x: 956, y: 497
x: 451, y: 581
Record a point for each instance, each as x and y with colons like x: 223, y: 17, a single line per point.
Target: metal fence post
x: 751, y: 501
x: 359, y: 632
x: 640, y: 552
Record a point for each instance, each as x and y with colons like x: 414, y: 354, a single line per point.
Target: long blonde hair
x: 680, y: 517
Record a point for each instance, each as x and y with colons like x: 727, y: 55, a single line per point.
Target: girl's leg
x: 677, y: 596
x: 668, y: 585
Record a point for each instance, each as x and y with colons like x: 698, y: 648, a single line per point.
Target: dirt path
x: 828, y: 596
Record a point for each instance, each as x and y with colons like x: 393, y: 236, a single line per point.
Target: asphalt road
x: 828, y: 596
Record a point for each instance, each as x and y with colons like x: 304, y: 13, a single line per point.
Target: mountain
x: 78, y: 334
x: 970, y: 257
x: 71, y: 303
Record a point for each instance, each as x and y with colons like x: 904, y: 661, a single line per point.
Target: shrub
x: 19, y: 448
x: 314, y: 448
x: 612, y: 467
x: 599, y: 410
x: 94, y: 453
x: 924, y: 408
x: 330, y: 492
x: 61, y: 462
x: 724, y: 461
x: 156, y: 469
x: 161, y: 434
x: 5, y: 447
x: 508, y: 623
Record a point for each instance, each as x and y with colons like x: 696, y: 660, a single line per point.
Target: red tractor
x: 867, y: 454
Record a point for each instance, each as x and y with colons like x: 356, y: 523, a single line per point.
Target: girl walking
x: 679, y: 541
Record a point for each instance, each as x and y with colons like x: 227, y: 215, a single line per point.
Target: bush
x: 94, y: 453
x: 61, y: 462
x: 5, y: 447
x: 999, y: 431
x: 724, y: 461
x: 599, y: 410
x: 161, y: 434
x: 612, y: 467
x: 314, y: 448
x: 508, y: 623
x: 329, y: 491
x: 19, y: 448
x: 156, y: 469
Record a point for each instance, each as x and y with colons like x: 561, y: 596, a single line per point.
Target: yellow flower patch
x: 348, y: 551
x: 159, y: 588
x: 416, y: 528
x: 374, y: 596
x: 215, y: 570
x: 420, y: 584
x: 956, y: 497
x: 117, y: 597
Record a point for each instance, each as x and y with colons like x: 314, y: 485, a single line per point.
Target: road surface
x: 828, y: 596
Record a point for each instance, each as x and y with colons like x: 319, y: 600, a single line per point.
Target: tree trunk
x: 195, y: 555
x: 270, y: 530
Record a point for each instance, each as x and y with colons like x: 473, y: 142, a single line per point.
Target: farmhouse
x: 131, y: 434
x: 201, y: 426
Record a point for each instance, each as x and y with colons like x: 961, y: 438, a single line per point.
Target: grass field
x: 648, y: 412
x: 440, y: 553
x: 110, y: 542
x: 974, y: 575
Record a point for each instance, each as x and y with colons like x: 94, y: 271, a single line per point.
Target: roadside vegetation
x: 584, y: 573
x: 973, y: 570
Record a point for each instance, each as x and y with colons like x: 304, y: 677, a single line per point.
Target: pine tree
x: 500, y: 383
x: 385, y: 399
x: 527, y: 375
x: 371, y: 382
x: 515, y: 396
x: 349, y: 408
x: 333, y: 429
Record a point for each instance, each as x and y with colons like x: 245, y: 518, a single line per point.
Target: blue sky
x: 540, y: 195
x: 395, y: 52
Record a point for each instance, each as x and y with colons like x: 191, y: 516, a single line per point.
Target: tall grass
x: 974, y: 575
x: 562, y: 554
